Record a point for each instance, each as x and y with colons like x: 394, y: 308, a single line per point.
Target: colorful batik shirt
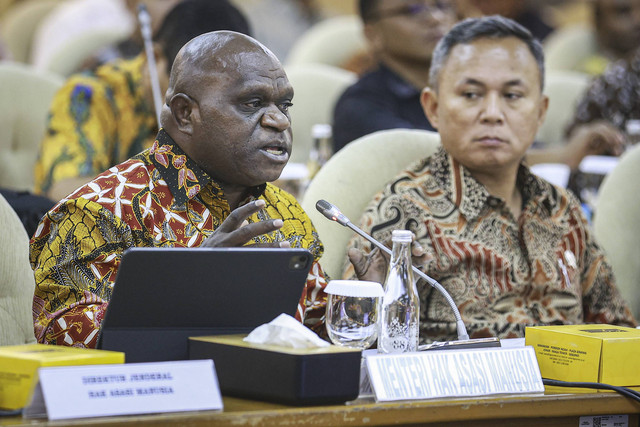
x: 543, y: 268
x: 158, y: 198
x: 96, y: 121
x: 614, y: 96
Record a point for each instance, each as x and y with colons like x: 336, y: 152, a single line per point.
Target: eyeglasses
x: 415, y: 9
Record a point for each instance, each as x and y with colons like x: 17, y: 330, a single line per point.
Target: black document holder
x: 162, y: 296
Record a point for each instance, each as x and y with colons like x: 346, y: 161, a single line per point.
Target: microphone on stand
x: 333, y: 213
x: 145, y: 28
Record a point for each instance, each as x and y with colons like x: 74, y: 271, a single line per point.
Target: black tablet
x: 162, y: 296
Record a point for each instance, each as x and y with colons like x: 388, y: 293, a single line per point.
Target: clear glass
x: 352, y: 321
x: 400, y: 306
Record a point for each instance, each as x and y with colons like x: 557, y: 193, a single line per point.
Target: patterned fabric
x: 614, y: 96
x: 96, y: 121
x: 594, y: 65
x: 543, y: 268
x: 158, y: 198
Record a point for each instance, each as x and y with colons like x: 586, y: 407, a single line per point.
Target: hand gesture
x: 236, y: 231
x: 596, y: 138
x: 373, y: 267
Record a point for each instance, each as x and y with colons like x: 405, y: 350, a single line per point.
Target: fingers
x: 603, y: 139
x: 372, y: 267
x: 359, y: 261
x: 246, y: 233
x: 281, y: 245
x: 237, y: 231
x: 416, y: 248
x: 237, y: 217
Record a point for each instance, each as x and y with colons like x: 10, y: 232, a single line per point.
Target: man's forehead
x: 505, y: 58
x: 249, y: 75
x: 486, y: 47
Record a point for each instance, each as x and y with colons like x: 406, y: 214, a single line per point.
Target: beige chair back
x: 5, y: 5
x: 17, y: 282
x: 70, y: 55
x: 19, y: 25
x: 25, y: 95
x: 569, y: 47
x: 75, y: 30
x: 317, y: 88
x: 616, y: 225
x: 564, y: 89
x: 353, y: 176
x: 333, y: 41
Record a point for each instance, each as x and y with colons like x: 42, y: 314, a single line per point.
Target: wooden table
x: 546, y: 410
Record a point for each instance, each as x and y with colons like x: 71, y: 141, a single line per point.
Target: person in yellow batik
x: 98, y: 120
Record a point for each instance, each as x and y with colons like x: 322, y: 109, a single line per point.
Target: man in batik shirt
x: 98, y: 120
x: 511, y: 249
x: 204, y: 182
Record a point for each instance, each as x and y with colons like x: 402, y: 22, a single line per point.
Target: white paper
x: 285, y: 331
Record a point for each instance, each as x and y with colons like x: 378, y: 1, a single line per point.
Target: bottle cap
x: 354, y: 288
x: 321, y: 130
x: 403, y: 236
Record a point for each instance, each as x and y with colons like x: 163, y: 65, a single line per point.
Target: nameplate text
x: 125, y: 389
x: 449, y: 373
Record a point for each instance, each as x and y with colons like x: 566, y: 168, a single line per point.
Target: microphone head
x: 331, y: 212
x: 143, y: 17
x: 142, y: 8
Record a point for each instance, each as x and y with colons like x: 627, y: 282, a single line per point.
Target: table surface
x: 526, y: 410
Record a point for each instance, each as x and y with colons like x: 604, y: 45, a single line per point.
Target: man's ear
x: 542, y: 112
x: 429, y: 102
x: 184, y: 111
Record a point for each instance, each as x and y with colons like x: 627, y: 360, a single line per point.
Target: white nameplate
x: 448, y: 373
x: 125, y: 389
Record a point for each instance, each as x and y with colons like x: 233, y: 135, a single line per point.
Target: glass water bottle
x: 400, y: 304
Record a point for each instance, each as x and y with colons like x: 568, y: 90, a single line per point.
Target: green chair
x: 25, y: 95
x: 16, y: 280
x: 353, y: 176
x: 616, y: 225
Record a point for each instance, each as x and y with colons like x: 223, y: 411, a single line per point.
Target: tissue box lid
x: 592, y: 353
x: 19, y: 367
x: 309, y: 376
x: 237, y: 340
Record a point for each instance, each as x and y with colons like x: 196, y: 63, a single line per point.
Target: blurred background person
x: 532, y: 15
x: 402, y: 35
x: 617, y: 30
x: 103, y: 118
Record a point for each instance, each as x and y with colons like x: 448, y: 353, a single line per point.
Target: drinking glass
x: 352, y: 312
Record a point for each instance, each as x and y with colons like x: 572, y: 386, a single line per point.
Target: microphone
x: 333, y: 213
x: 145, y: 28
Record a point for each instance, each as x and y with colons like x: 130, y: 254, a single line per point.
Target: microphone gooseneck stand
x: 333, y: 213
x: 145, y: 28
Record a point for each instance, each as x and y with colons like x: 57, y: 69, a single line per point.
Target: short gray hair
x: 472, y: 29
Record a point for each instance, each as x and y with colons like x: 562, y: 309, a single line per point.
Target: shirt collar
x: 397, y: 85
x: 471, y: 196
x: 183, y: 176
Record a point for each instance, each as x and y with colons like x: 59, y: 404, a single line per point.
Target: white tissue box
x: 295, y: 376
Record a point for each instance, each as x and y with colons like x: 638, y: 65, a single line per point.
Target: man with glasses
x: 402, y: 35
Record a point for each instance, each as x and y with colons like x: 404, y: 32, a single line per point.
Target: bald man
x: 226, y: 132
